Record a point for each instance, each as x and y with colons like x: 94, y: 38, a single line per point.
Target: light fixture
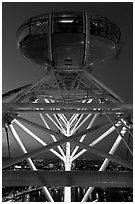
x: 66, y: 21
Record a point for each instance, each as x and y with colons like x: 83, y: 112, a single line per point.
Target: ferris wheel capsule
x: 68, y: 40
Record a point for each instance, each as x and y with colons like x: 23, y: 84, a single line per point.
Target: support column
x: 67, y: 190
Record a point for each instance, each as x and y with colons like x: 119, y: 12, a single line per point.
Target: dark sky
x: 17, y: 71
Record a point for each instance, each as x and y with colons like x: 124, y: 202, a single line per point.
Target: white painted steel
x: 36, y: 138
x: 106, y: 162
x: 30, y: 162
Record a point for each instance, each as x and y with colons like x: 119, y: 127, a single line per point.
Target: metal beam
x: 119, y: 134
x: 113, y: 106
x: 31, y: 88
x: 29, y: 161
x: 105, y: 163
x: 83, y: 137
x: 98, y: 152
x: 53, y: 137
x: 97, y: 140
x: 14, y: 91
x: 32, y: 153
x: 69, y: 139
x: 101, y: 86
x: 36, y: 138
x: 69, y: 111
x: 58, y: 135
x: 67, y: 178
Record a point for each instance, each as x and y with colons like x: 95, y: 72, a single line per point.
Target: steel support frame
x: 47, y: 106
x: 29, y: 160
x: 106, y: 162
x: 75, y: 142
x: 19, y: 124
x: 69, y: 136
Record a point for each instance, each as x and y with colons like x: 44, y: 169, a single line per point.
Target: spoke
x: 58, y: 87
x: 30, y: 162
x: 21, y: 96
x: 61, y: 127
x: 49, y: 146
x: 101, y: 86
x: 120, y: 134
x: 58, y: 126
x: 36, y: 137
x: 60, y: 135
x: 70, y: 139
x: 75, y: 128
x: 75, y: 142
x: 73, y: 118
x: 80, y: 76
x: 106, y: 162
x: 98, y: 152
x: 96, y: 141
x: 54, y: 139
x: 62, y: 117
x: 83, y: 137
x: 32, y: 153
x: 14, y: 91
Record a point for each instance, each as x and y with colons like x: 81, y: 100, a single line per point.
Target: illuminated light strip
x: 62, y: 116
x: 30, y: 162
x: 100, y: 138
x: 58, y: 126
x: 61, y: 127
x: 119, y: 133
x: 66, y: 21
x: 80, y: 123
x: 106, y: 162
x: 54, y: 139
x: 83, y: 137
x: 36, y: 138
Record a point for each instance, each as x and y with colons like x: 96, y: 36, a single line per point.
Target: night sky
x: 17, y: 71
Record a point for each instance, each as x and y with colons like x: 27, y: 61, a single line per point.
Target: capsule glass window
x: 39, y: 27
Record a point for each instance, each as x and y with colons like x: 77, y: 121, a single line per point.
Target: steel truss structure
x: 75, y: 120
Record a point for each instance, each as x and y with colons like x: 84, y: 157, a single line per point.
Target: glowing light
x: 66, y: 21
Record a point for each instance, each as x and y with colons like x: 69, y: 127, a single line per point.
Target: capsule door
x: 68, y: 39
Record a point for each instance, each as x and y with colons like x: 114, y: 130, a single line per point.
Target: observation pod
x: 68, y: 40
x: 68, y: 111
